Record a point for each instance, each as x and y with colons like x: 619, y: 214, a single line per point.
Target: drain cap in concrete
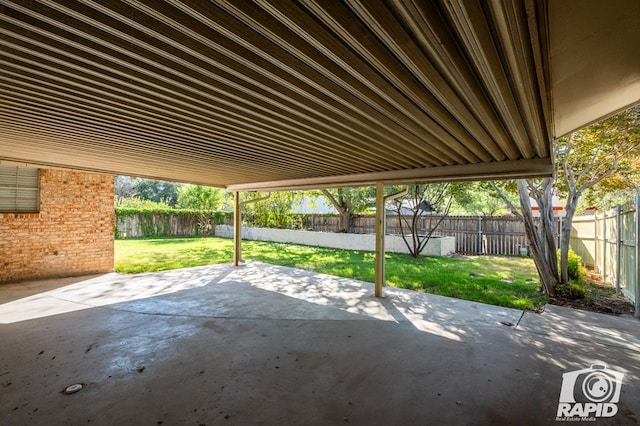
x: 72, y: 388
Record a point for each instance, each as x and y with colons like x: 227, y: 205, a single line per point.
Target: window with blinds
x: 19, y: 189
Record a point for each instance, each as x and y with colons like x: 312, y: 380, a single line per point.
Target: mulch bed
x: 600, y: 297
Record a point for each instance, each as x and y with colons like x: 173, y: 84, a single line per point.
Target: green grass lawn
x: 497, y: 280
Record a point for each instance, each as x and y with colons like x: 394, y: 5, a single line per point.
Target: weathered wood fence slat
x: 474, y: 234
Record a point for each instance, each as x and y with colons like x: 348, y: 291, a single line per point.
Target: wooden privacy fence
x: 610, y: 244
x: 607, y: 242
x: 151, y: 224
x: 474, y: 234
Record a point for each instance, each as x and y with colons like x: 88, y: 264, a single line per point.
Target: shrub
x: 573, y: 290
x: 576, y: 270
x: 154, y: 220
x: 139, y: 204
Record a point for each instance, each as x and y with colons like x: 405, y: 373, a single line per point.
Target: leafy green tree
x: 273, y: 212
x: 617, y: 190
x: 621, y: 186
x: 597, y: 156
x: 350, y: 202
x: 478, y: 198
x: 157, y: 190
x: 590, y: 157
x: 204, y: 200
x: 197, y: 197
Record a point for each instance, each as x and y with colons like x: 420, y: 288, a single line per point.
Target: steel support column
x: 381, y: 230
x: 381, y: 223
x: 618, y: 247
x: 237, y: 229
x: 237, y: 224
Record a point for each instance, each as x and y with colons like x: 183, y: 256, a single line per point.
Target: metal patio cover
x: 285, y: 94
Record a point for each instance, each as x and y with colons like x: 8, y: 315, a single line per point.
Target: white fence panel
x: 610, y: 243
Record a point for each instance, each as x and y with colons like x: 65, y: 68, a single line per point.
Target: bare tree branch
x: 504, y: 198
x: 332, y: 199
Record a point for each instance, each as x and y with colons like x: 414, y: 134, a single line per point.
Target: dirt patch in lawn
x: 599, y: 297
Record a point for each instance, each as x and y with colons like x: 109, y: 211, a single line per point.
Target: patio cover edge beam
x: 539, y: 167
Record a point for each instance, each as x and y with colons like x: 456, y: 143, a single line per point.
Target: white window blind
x: 19, y: 189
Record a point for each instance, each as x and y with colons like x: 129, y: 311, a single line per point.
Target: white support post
x: 380, y: 231
x: 618, y: 247
x: 237, y: 229
x: 596, y: 244
x: 605, y: 241
x: 237, y: 224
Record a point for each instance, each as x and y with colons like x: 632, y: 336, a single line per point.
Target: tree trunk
x: 544, y: 258
x: 347, y: 221
x: 565, y: 239
x: 547, y: 225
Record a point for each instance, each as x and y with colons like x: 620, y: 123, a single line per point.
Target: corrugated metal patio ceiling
x: 282, y: 93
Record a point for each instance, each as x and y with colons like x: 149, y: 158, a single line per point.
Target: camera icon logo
x: 589, y: 392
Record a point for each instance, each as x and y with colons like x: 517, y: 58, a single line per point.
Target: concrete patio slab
x: 263, y: 344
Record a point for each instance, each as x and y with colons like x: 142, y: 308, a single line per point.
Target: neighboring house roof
x: 557, y: 206
x: 276, y: 95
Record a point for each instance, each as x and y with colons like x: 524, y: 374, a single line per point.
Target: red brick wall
x: 71, y: 235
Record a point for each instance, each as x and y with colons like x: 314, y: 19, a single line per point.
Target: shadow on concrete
x: 264, y: 344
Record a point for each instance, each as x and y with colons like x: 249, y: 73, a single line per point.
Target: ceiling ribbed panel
x: 237, y: 92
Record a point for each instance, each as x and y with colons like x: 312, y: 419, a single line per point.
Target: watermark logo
x: 589, y: 393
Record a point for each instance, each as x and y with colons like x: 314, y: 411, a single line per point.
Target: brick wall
x: 71, y: 235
